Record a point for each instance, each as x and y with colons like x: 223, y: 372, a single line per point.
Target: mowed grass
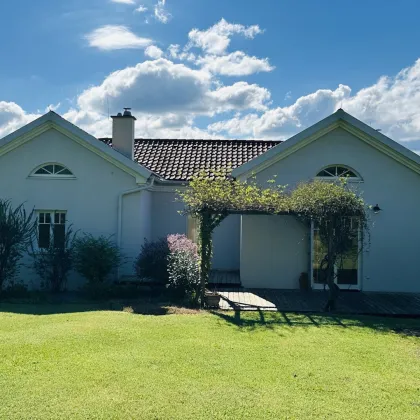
x: 110, y: 364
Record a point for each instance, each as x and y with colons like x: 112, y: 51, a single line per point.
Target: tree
x: 210, y: 197
x: 17, y: 232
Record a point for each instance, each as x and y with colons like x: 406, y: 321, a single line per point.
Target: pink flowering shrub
x: 183, y: 267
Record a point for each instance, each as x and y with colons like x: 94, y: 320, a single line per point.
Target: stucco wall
x: 136, y: 226
x: 392, y: 262
x: 275, y: 250
x: 166, y: 220
x: 91, y: 200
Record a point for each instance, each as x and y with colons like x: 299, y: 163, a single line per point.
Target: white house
x: 127, y: 187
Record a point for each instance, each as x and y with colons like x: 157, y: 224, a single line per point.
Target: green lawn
x: 110, y: 364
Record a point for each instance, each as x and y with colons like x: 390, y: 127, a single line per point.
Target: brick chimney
x: 123, y: 127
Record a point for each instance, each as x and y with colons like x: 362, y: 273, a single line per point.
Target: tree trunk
x: 332, y: 287
x: 206, y: 250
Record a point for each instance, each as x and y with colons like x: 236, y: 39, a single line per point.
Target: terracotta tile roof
x: 178, y: 160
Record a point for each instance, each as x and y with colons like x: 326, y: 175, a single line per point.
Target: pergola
x: 210, y: 199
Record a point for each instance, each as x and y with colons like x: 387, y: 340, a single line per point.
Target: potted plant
x: 304, y: 281
x: 212, y: 299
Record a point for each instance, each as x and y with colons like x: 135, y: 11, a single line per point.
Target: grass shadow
x: 253, y: 320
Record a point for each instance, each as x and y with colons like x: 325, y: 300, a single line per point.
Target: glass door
x: 346, y: 269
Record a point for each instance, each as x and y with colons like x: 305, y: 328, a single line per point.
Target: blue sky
x: 263, y: 69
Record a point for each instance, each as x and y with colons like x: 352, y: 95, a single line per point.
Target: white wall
x: 226, y: 244
x: 91, y: 200
x: 275, y: 251
x: 393, y: 262
x: 136, y: 226
x: 166, y: 220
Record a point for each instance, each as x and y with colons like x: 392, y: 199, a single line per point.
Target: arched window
x: 338, y: 171
x: 54, y: 170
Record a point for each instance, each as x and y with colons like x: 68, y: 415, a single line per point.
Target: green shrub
x: 152, y: 262
x: 54, y: 263
x: 96, y: 258
x: 15, y: 291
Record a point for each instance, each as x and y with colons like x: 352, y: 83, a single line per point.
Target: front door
x: 346, y: 270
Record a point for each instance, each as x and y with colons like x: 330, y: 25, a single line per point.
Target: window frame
x: 33, y: 174
x: 356, y: 178
x: 52, y: 217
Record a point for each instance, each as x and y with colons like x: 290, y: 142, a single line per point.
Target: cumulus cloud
x: 216, y: 39
x: 161, y: 86
x: 392, y: 104
x: 167, y: 96
x: 12, y: 117
x: 282, y: 122
x: 161, y: 14
x: 234, y: 64
x: 153, y: 52
x: 115, y: 37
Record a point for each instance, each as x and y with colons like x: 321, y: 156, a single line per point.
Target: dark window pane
x: 41, y: 217
x: 351, y: 174
x: 57, y: 218
x: 324, y: 173
x: 65, y: 171
x: 347, y: 276
x: 47, y: 217
x: 49, y: 168
x: 44, y: 236
x: 59, y: 235
x: 41, y: 171
x: 320, y: 276
x: 341, y: 171
x: 58, y: 168
x: 63, y: 218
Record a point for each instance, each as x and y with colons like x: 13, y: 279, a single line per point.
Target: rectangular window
x: 346, y: 269
x: 51, y: 227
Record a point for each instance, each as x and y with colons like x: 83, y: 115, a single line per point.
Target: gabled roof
x: 339, y: 119
x: 53, y: 120
x: 179, y: 160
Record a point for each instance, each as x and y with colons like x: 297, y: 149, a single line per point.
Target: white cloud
x: 240, y: 96
x: 392, y: 104
x: 123, y: 1
x: 173, y: 50
x: 160, y: 86
x: 216, y: 39
x: 282, y: 122
x: 12, y: 117
x: 153, y: 52
x: 161, y: 14
x: 141, y: 9
x: 52, y: 107
x: 115, y: 37
x: 234, y: 64
x: 147, y: 125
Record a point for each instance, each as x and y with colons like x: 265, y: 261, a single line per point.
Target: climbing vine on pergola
x: 210, y: 197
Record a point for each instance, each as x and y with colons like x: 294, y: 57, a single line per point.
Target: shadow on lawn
x: 270, y: 319
x: 250, y: 320
x: 137, y: 306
